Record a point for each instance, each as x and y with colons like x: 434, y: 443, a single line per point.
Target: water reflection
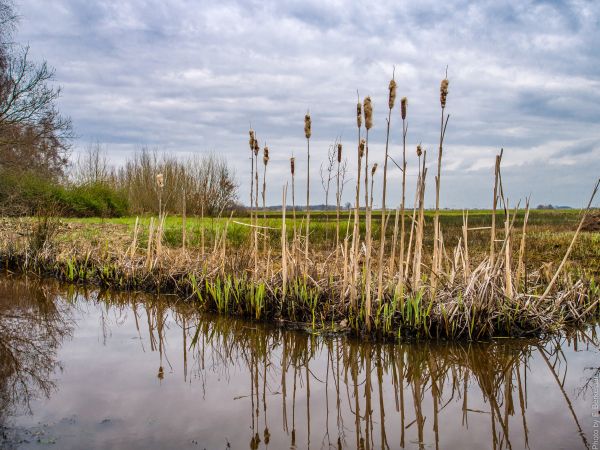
x: 32, y: 328
x: 218, y: 382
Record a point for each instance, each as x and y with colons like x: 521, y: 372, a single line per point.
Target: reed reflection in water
x: 149, y: 372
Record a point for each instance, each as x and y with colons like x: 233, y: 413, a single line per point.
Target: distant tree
x: 92, y: 166
x: 34, y: 136
x: 206, y: 181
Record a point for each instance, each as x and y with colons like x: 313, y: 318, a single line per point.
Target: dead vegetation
x: 426, y: 280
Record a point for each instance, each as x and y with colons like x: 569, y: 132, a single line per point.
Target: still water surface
x: 97, y: 370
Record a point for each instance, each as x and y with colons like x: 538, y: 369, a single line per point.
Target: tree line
x: 36, y: 140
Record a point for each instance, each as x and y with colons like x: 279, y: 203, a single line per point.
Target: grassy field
x: 549, y: 233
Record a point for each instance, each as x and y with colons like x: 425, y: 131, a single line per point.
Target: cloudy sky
x: 190, y: 76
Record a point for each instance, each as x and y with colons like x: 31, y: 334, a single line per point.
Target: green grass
x: 549, y: 232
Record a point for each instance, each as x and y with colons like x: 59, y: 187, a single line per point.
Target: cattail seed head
x: 392, y: 97
x: 403, y: 103
x: 160, y: 180
x: 443, y: 92
x: 266, y: 155
x: 368, y: 109
x: 419, y: 150
x: 361, y: 148
x: 256, y: 147
x: 339, y: 153
x: 358, y: 115
x: 251, y: 142
x: 307, y: 123
x: 373, y: 169
x: 293, y: 165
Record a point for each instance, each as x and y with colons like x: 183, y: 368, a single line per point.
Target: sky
x: 186, y: 77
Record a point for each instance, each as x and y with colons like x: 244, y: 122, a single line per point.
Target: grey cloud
x: 187, y: 76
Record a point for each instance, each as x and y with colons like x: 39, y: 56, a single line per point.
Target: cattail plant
x: 307, y: 134
x: 338, y: 199
x: 403, y: 108
x: 437, y: 251
x: 251, y: 142
x: 264, y: 191
x: 255, y: 228
x: 183, y: 219
x: 293, y: 173
x: 383, y: 226
x: 401, y: 210
x: 368, y: 110
x: 356, y: 229
x: 413, y: 221
x: 160, y: 184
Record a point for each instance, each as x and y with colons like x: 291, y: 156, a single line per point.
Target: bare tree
x: 208, y: 183
x: 92, y: 166
x: 34, y: 136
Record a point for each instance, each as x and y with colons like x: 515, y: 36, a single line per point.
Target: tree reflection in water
x: 32, y: 328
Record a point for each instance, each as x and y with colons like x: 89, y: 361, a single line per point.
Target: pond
x: 89, y: 369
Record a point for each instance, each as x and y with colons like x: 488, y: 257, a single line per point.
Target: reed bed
x: 419, y: 285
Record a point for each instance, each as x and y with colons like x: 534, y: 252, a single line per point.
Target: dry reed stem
x: 403, y: 202
x: 183, y: 221
x: 293, y: 173
x: 264, y: 193
x: 465, y: 237
x: 284, y: 252
x: 338, y: 201
x: 307, y: 134
x: 508, y: 286
x: 570, y: 248
x: 521, y: 263
x: 494, y: 206
x: 436, y: 264
x: 135, y: 237
x: 383, y: 226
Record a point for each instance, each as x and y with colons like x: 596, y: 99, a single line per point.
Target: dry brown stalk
x: 202, y: 228
x: 368, y: 251
x: 149, y: 247
x: 392, y: 262
x: 383, y: 226
x: 284, y: 252
x: 307, y: 134
x: 465, y: 238
x: 508, y: 286
x: 356, y: 229
x: 413, y: 223
x: 568, y: 252
x: 420, y: 228
x: 437, y: 257
x: 368, y: 110
x: 135, y: 237
x: 293, y: 172
x: 494, y: 206
x: 264, y: 192
x: 521, y: 264
x: 251, y: 142
x: 183, y: 221
x: 255, y: 250
x: 403, y: 108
